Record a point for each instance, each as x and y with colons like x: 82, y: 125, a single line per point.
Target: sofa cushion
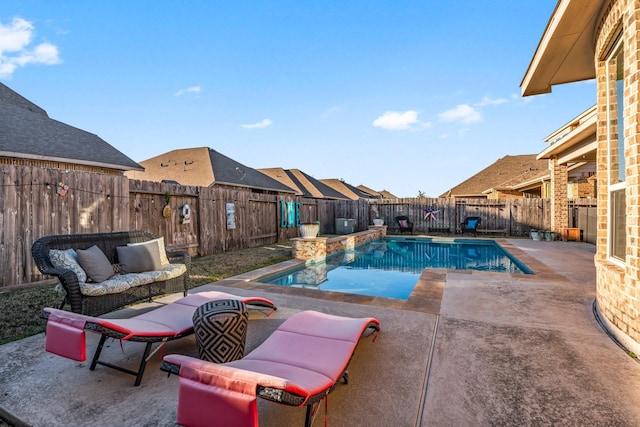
x: 68, y: 260
x: 115, y: 284
x: 121, y: 282
x: 95, y: 263
x: 139, y: 258
x: 169, y: 272
x: 159, y: 242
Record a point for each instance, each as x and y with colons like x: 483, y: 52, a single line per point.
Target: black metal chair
x: 404, y: 224
x: 470, y: 224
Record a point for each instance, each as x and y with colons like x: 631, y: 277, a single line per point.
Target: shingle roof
x: 205, y: 167
x: 26, y: 131
x: 387, y: 194
x: 382, y: 194
x: 369, y: 191
x: 351, y: 192
x: 9, y: 96
x: 304, y: 185
x: 505, y: 172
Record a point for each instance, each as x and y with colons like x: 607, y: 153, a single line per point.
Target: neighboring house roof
x: 303, y: 184
x: 205, y: 167
x: 351, y: 192
x: 383, y: 194
x: 387, y: 195
x: 529, y: 178
x: 565, y: 51
x: 369, y: 191
x: 29, y: 133
x: 507, y: 172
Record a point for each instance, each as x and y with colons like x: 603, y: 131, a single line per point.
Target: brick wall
x: 583, y: 189
x: 617, y: 288
x: 559, y: 214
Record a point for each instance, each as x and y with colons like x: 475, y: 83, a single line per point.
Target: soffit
x: 579, y: 144
x: 565, y: 52
x: 583, y: 152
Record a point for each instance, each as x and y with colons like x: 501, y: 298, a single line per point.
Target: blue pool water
x: 391, y: 267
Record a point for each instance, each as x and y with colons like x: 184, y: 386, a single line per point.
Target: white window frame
x: 611, y: 188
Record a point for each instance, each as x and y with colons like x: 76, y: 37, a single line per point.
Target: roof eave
x: 565, y: 53
x: 575, y: 137
x: 69, y: 160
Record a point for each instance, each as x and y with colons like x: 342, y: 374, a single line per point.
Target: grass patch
x: 20, y: 309
x: 212, y: 268
x: 20, y: 312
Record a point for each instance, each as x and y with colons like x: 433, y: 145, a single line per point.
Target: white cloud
x: 261, y: 124
x: 395, y: 120
x: 488, y: 101
x: 463, y: 113
x: 15, y: 36
x: 192, y: 89
x: 15, y: 39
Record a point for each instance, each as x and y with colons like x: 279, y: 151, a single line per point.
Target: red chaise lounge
x: 299, y: 364
x: 65, y: 333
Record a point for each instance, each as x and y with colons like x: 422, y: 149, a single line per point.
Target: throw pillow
x: 95, y: 263
x: 472, y: 223
x: 67, y: 259
x: 138, y: 258
x: 159, y: 242
x: 403, y: 223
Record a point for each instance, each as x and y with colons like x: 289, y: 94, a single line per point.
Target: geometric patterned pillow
x: 67, y: 259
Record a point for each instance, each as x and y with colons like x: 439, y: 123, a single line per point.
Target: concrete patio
x: 467, y: 349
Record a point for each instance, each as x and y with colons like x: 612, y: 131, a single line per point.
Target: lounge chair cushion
x: 66, y: 330
x: 318, y: 347
x: 95, y: 263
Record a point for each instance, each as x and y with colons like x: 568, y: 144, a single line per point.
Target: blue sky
x: 405, y: 96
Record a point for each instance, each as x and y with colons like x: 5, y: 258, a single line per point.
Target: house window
x: 616, y: 162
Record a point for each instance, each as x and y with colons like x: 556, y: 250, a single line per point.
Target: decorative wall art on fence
x: 289, y: 214
x: 231, y: 216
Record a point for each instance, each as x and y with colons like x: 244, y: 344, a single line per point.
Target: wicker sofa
x: 143, y: 286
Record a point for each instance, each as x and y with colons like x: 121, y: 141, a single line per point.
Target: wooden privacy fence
x: 512, y: 217
x: 37, y: 201
x: 583, y: 215
x: 229, y: 218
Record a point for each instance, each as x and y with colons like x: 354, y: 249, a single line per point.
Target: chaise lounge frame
x: 65, y: 330
x: 318, y: 347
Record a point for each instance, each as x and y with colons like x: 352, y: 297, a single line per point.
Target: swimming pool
x: 391, y: 267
